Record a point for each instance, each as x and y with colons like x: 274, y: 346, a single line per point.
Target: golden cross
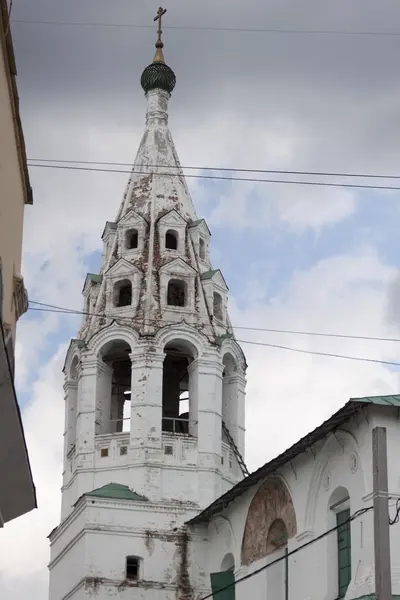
x: 161, y: 11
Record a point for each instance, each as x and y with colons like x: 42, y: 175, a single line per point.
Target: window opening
x: 175, y: 393
x: 132, y: 239
x: 217, y: 307
x: 171, y: 240
x: 123, y: 293
x: 176, y: 293
x: 344, y: 550
x: 202, y: 249
x: 132, y: 568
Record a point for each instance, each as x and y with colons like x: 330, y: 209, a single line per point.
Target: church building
x: 157, y: 502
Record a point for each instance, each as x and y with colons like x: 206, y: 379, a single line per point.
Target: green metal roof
x: 209, y: 274
x: 198, y: 222
x: 351, y: 408
x: 94, y: 277
x: 393, y: 400
x: 118, y: 491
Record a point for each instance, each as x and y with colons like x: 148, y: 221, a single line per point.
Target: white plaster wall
x: 341, y: 460
x: 97, y: 537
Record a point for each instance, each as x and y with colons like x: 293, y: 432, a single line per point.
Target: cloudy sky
x: 295, y: 257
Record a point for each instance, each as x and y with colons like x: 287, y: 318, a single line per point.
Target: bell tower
x: 154, y: 382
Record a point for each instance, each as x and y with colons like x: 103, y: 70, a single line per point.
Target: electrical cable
x: 276, y: 346
x: 318, y: 32
x: 224, y: 169
x: 266, y: 329
x: 357, y: 514
x: 396, y: 518
x: 223, y: 178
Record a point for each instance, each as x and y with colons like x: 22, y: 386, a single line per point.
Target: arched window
x: 339, y: 508
x: 132, y: 239
x: 176, y: 293
x: 123, y: 293
x: 202, y: 249
x: 217, y: 307
x: 171, y: 240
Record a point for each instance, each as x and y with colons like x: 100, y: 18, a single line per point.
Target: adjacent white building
x: 156, y: 501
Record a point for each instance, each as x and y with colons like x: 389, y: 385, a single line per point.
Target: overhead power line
x: 132, y: 320
x: 225, y: 178
x: 288, y: 31
x: 223, y: 169
x: 266, y: 329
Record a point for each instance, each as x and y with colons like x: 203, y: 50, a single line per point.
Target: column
x: 146, y: 398
x: 103, y: 399
x: 233, y: 407
x: 209, y: 403
x: 86, y: 416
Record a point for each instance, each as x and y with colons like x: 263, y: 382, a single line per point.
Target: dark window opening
x: 171, y: 240
x: 202, y: 249
x: 217, y: 307
x: 176, y: 293
x: 123, y: 293
x: 344, y: 550
x: 132, y: 239
x: 132, y: 568
x: 175, y: 391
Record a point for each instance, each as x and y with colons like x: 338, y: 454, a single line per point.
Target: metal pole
x: 383, y: 579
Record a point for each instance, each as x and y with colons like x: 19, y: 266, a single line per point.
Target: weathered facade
x: 17, y: 493
x: 154, y: 388
x: 271, y: 528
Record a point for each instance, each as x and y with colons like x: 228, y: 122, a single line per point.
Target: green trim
x: 344, y: 550
x: 221, y: 580
x: 94, y: 277
x: 392, y: 400
x: 209, y: 274
x: 118, y: 491
x: 373, y: 597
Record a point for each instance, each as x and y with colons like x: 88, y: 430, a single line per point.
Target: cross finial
x: 159, y: 44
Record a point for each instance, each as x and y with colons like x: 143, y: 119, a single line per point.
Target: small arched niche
x: 113, y: 397
x: 228, y: 562
x: 132, y: 239
x: 171, y: 240
x: 178, y: 393
x: 123, y: 293
x: 176, y: 293
x: 72, y: 404
x: 202, y: 249
x: 218, y: 309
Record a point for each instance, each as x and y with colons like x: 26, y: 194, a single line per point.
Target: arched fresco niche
x: 271, y: 503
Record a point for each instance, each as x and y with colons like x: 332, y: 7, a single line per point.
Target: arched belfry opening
x: 229, y: 397
x: 114, y: 389
x: 178, y: 389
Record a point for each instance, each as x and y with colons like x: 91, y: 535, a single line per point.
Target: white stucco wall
x: 342, y: 460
